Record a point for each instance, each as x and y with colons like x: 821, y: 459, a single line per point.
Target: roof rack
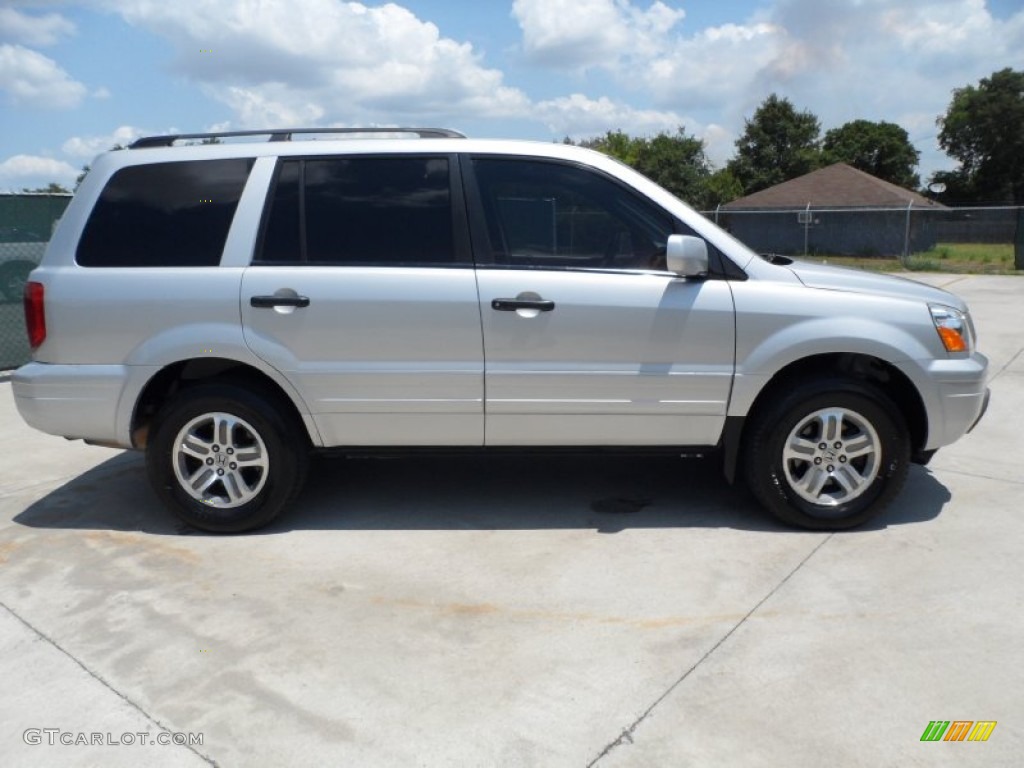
x: 285, y: 134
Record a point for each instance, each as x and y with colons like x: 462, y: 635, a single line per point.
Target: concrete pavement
x: 487, y: 611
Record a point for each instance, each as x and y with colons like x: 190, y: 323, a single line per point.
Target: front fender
x: 777, y: 326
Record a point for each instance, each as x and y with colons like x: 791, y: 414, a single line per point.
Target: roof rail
x: 285, y: 134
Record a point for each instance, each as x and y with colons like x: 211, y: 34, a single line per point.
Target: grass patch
x: 960, y: 258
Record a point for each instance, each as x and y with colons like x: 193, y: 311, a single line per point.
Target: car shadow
x: 606, y: 493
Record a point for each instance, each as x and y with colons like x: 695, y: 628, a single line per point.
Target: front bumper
x: 955, y: 395
x: 984, y: 407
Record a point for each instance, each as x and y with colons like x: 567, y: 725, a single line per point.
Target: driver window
x: 554, y: 216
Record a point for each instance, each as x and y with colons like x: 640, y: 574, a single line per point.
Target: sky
x: 79, y: 77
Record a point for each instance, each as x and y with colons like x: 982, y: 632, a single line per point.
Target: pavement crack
x: 978, y: 475
x: 626, y: 737
x: 102, y: 681
x: 1003, y: 370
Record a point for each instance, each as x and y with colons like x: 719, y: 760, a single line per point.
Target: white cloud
x: 578, y: 34
x: 719, y: 144
x: 87, y: 147
x: 873, y: 59
x: 579, y: 116
x: 33, y: 30
x: 271, y: 105
x: 34, y: 80
x: 332, y: 61
x: 840, y: 59
x: 34, y: 171
x: 716, y: 66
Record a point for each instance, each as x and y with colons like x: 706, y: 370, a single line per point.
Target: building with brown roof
x: 835, y: 210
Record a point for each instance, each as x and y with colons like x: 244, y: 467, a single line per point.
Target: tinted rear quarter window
x: 164, y: 215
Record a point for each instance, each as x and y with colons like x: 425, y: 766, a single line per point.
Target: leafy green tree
x: 778, y: 144
x: 677, y: 163
x: 86, y: 168
x: 674, y: 161
x: 881, y: 149
x: 53, y: 188
x: 722, y: 187
x: 81, y: 177
x: 617, y: 144
x: 957, y: 187
x: 983, y: 128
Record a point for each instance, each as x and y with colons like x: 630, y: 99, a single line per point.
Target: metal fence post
x: 807, y: 228
x: 1018, y: 241
x: 906, y: 237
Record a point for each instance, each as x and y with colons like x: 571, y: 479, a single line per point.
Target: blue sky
x: 77, y: 77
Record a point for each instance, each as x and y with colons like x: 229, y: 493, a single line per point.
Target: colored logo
x: 958, y: 730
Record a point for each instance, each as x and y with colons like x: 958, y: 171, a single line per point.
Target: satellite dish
x: 937, y: 187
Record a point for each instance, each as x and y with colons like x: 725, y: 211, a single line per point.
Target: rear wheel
x: 830, y: 454
x: 225, y: 459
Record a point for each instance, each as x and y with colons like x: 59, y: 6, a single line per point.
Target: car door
x: 363, y: 295
x: 588, y: 340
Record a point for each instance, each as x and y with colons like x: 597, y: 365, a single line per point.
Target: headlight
x: 952, y: 327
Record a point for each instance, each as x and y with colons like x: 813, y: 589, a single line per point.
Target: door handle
x: 511, y: 305
x: 265, y: 302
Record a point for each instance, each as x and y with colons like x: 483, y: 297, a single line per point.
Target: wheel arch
x: 182, y: 374
x: 856, y: 366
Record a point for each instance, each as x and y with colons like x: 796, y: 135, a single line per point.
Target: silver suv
x: 231, y: 306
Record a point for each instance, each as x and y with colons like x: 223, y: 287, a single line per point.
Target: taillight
x: 35, y: 315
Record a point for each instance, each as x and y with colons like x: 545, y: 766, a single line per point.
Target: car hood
x: 857, y: 281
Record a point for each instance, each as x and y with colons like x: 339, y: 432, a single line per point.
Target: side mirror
x: 686, y: 255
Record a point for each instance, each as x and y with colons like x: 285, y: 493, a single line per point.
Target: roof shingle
x: 837, y: 186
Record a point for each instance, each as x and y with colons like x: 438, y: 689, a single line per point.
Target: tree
x: 722, y: 187
x: 617, y: 144
x: 983, y: 128
x: 81, y: 177
x: 53, y: 188
x: 677, y: 163
x: 86, y: 168
x: 674, y: 161
x: 881, y: 149
x: 778, y: 144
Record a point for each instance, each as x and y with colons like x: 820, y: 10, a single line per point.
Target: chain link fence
x: 926, y: 233
x: 26, y: 223
x: 931, y: 236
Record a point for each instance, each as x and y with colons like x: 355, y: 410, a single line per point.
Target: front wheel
x: 829, y: 455
x: 224, y: 459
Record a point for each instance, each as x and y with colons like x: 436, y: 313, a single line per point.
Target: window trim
x: 249, y: 163
x: 720, y: 266
x: 461, y: 247
x: 484, y: 253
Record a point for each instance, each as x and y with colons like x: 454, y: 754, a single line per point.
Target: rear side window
x: 164, y: 215
x: 361, y: 211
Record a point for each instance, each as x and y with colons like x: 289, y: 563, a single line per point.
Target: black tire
x: 272, y: 455
x: 13, y: 276
x: 854, y: 488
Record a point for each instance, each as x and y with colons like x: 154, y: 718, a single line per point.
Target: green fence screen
x: 26, y: 223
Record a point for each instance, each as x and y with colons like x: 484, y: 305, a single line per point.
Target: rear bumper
x: 73, y: 401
